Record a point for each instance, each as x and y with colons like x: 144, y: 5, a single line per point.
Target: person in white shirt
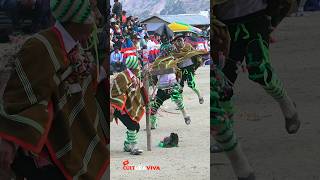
x: 116, y: 60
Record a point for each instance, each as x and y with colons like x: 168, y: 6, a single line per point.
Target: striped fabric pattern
x: 154, y: 120
x: 275, y: 88
x: 219, y: 121
x: 176, y: 96
x: 131, y: 138
x: 132, y: 62
x: 164, y: 62
x: 75, y: 142
x: 125, y: 97
x: 130, y: 51
x: 188, y: 52
x: 78, y: 11
x: 226, y: 136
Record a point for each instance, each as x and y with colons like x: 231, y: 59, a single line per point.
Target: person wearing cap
x: 128, y: 99
x: 136, y: 41
x: 51, y: 124
x: 189, y: 60
x: 167, y: 84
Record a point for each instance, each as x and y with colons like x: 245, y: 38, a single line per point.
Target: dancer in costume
x: 51, y: 125
x: 221, y: 117
x: 168, y: 85
x: 249, y: 26
x: 128, y: 98
x: 222, y: 126
x: 189, y: 60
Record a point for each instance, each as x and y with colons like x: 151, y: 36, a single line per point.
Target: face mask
x: 180, y: 43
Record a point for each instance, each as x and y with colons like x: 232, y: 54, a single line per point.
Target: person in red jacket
x: 124, y: 17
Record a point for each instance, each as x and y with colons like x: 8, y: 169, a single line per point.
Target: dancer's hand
x: 136, y: 83
x: 7, y: 154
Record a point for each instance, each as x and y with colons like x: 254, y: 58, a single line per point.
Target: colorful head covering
x: 132, y: 62
x: 78, y: 11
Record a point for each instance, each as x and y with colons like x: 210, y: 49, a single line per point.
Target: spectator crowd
x: 130, y: 37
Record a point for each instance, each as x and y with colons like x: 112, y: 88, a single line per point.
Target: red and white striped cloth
x: 131, y: 51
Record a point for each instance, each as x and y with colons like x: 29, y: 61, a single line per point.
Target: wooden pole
x: 148, y: 126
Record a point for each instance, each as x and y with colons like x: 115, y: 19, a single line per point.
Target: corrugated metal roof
x: 192, y: 19
x: 153, y: 26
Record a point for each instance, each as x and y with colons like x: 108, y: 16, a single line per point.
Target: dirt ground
x: 189, y: 161
x: 273, y: 153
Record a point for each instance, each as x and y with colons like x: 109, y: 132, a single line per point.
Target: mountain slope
x: 145, y: 8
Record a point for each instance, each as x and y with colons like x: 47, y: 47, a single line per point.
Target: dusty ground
x: 274, y: 154
x: 189, y: 161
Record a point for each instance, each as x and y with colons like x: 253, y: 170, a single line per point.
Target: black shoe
x: 170, y: 141
x: 216, y: 149
x: 187, y: 120
x: 136, y: 151
x: 201, y: 100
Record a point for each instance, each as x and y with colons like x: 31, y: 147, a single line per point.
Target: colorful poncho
x: 164, y: 62
x: 39, y: 111
x: 128, y: 97
x: 188, y: 52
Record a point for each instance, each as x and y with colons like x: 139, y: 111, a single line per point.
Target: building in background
x: 201, y: 20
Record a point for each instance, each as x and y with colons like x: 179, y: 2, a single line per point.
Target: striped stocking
x: 228, y: 141
x: 154, y: 121
x: 261, y: 71
x: 131, y: 139
x: 156, y: 103
x: 276, y: 90
x: 221, y: 126
x: 177, y: 98
x: 191, y: 81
